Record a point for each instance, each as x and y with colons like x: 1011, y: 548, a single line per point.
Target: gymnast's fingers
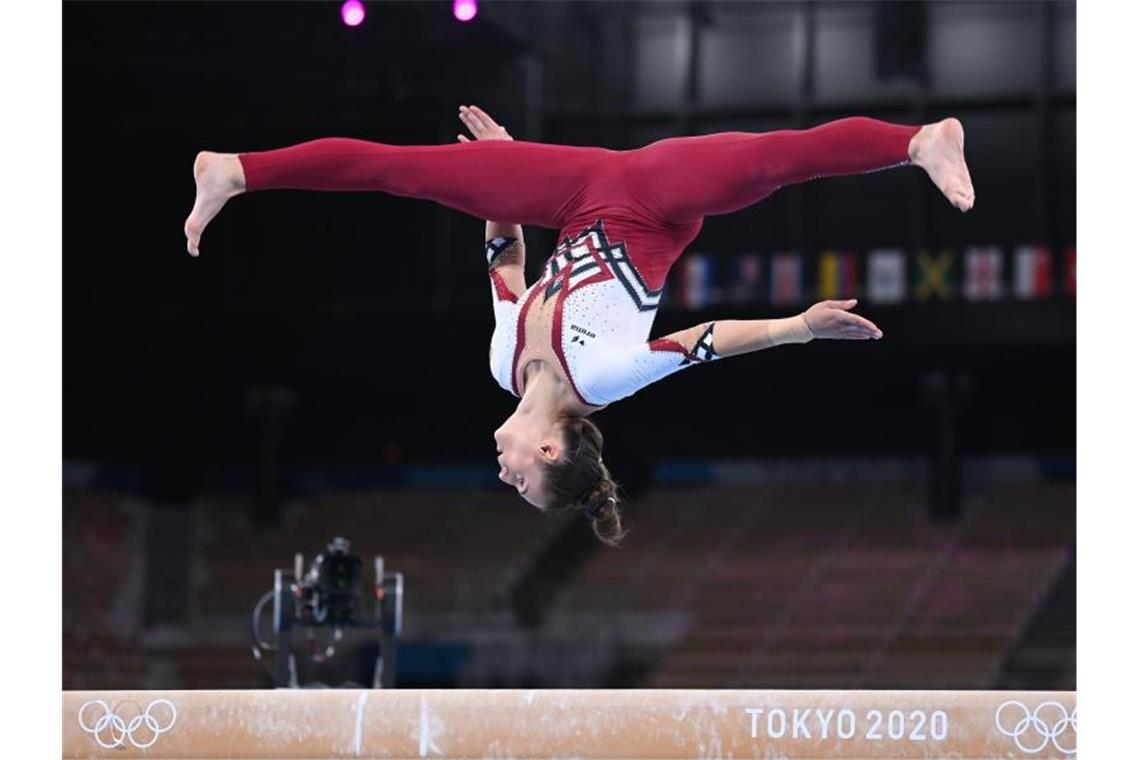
x: 854, y: 333
x: 470, y: 119
x: 863, y: 322
x: 845, y: 304
x: 481, y: 115
x: 462, y: 138
x: 471, y: 122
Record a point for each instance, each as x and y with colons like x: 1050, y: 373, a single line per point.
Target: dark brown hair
x: 579, y: 481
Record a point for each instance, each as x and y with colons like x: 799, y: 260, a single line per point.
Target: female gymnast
x: 576, y: 339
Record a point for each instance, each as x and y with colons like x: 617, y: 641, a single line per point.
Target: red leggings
x: 652, y: 199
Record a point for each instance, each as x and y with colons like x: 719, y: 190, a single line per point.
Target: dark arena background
x: 893, y: 514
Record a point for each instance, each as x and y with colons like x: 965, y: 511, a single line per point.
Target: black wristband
x: 496, y: 246
x: 703, y: 350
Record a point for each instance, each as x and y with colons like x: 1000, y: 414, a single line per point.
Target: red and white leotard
x: 603, y: 312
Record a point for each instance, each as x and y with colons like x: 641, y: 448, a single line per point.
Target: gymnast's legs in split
x: 673, y: 181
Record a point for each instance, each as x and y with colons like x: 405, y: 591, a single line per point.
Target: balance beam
x: 568, y: 723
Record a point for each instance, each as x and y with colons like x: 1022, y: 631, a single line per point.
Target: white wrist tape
x: 790, y: 330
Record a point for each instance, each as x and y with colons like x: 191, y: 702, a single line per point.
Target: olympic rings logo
x: 1038, y: 728
x: 110, y: 726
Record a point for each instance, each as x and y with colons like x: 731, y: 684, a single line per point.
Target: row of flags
x: 882, y: 276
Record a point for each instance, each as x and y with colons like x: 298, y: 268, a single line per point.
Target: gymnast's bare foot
x: 940, y: 150
x: 219, y: 177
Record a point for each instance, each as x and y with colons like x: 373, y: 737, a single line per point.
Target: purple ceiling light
x: 352, y: 12
x: 465, y: 10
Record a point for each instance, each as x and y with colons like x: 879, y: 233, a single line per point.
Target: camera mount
x: 328, y: 596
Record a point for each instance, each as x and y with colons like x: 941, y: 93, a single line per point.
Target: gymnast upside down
x: 576, y: 339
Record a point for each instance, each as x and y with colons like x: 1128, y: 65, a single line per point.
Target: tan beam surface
x: 568, y: 723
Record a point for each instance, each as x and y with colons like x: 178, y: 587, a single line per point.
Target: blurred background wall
x: 896, y: 515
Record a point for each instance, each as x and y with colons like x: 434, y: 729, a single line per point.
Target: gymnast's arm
x: 506, y: 251
x: 617, y: 374
x: 506, y: 259
x: 826, y: 319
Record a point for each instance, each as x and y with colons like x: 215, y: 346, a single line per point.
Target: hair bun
x: 601, y: 501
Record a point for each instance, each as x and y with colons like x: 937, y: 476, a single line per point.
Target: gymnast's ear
x: 550, y: 450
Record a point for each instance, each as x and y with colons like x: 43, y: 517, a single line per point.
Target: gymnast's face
x: 523, y: 450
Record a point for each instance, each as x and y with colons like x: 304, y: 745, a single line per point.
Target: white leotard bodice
x: 603, y: 313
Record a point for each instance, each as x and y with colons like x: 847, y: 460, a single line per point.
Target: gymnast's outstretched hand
x: 482, y: 126
x: 831, y: 319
